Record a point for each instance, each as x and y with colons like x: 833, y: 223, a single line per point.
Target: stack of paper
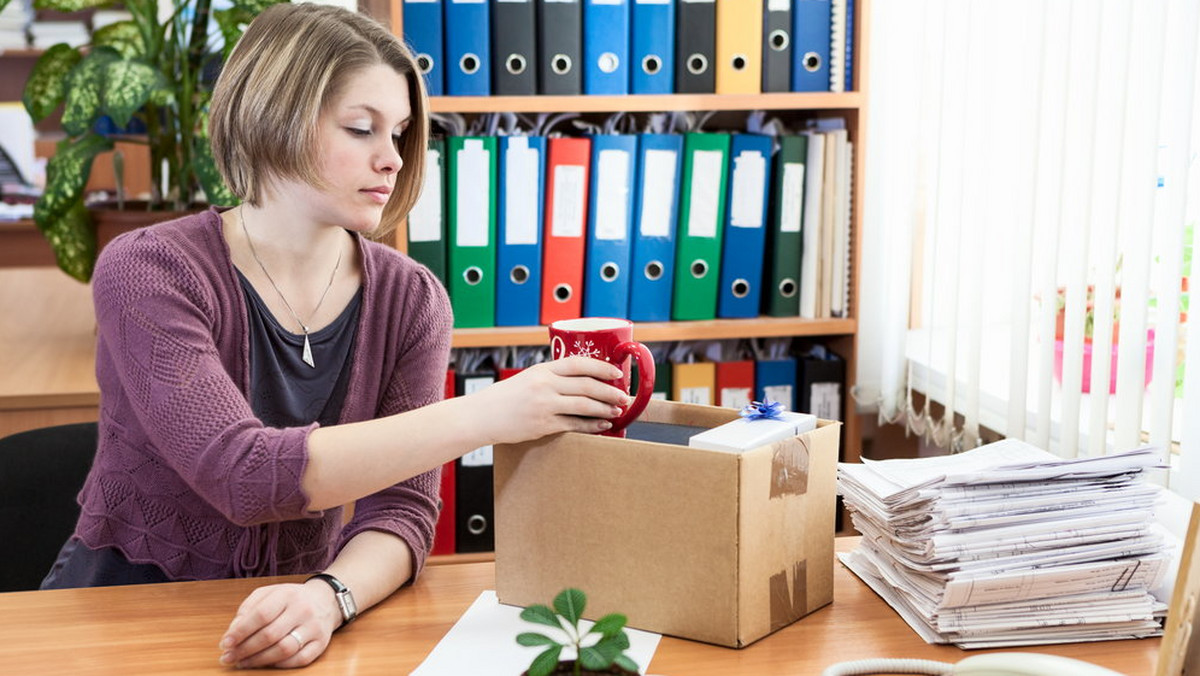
x: 14, y: 20
x: 1010, y: 545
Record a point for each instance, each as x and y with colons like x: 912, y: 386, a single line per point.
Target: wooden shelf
x: 646, y: 103
x: 762, y: 327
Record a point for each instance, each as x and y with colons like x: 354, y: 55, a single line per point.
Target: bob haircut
x: 290, y: 65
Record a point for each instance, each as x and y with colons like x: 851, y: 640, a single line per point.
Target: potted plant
x: 598, y: 650
x: 158, y: 72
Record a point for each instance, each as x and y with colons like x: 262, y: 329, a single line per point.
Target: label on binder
x: 749, y: 174
x: 520, y: 192
x: 425, y: 219
x: 567, y: 219
x: 793, y: 197
x: 658, y: 197
x: 706, y: 179
x: 612, y: 205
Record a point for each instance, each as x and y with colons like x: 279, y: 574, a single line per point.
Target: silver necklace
x: 307, y: 354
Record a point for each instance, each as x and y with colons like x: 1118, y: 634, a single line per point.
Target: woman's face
x: 359, y: 134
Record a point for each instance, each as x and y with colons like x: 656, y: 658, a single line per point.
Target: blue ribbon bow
x: 763, y: 410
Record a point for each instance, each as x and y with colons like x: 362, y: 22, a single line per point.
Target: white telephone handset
x: 993, y: 664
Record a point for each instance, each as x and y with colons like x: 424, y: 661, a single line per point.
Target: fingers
x: 585, y: 366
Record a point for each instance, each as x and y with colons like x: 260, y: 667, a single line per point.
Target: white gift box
x: 745, y: 434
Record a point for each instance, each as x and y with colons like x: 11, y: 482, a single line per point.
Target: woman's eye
x: 358, y: 132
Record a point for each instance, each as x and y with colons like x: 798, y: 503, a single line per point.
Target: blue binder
x: 519, y: 243
x: 468, y: 48
x: 606, y: 47
x: 652, y: 50
x: 609, y: 232
x: 423, y: 33
x: 656, y: 206
x: 811, y: 44
x: 776, y: 379
x: 744, y: 246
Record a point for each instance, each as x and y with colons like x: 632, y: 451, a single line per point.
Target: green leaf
x: 540, y: 614
x: 215, y: 190
x: 626, y: 663
x: 73, y: 238
x: 127, y: 86
x: 3, y: 4
x: 545, y: 662
x: 594, y: 658
x: 570, y: 604
x: 70, y: 5
x: 122, y: 36
x: 530, y: 638
x: 255, y: 6
x: 84, y: 85
x: 231, y: 22
x: 67, y: 174
x: 45, y: 87
x: 609, y: 625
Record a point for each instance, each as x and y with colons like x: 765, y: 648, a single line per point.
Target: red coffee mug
x: 609, y: 340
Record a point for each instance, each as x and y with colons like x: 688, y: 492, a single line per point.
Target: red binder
x: 443, y: 533
x: 567, y: 163
x: 735, y: 383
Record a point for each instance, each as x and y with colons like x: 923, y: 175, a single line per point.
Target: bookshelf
x: 840, y: 334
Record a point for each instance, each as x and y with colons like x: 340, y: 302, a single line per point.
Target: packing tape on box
x: 789, y: 602
x: 789, y: 467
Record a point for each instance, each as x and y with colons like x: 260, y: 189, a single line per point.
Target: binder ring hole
x: 812, y: 62
x: 476, y: 524
x: 740, y: 288
x: 739, y: 62
x: 651, y: 65
x: 424, y: 63
x: 699, y: 269
x: 515, y: 64
x: 469, y: 63
x: 562, y: 293
x: 779, y: 40
x: 560, y: 64
x: 519, y: 274
x: 608, y: 62
x: 697, y: 64
x: 787, y: 287
x: 473, y: 275
x: 610, y: 271
x: 654, y: 271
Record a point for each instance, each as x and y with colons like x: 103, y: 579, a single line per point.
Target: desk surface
x: 174, y: 629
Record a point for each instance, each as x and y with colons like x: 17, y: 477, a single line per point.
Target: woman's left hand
x: 281, y: 625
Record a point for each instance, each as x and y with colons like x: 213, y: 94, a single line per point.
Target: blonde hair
x: 291, y: 64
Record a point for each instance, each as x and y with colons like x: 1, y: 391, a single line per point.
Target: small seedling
x: 598, y: 655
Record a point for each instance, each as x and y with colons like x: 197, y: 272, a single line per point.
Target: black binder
x: 514, y: 48
x: 821, y: 377
x: 559, y: 47
x: 474, y: 530
x: 695, y: 47
x: 777, y: 46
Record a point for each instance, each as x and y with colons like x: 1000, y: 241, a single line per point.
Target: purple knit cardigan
x: 185, y: 475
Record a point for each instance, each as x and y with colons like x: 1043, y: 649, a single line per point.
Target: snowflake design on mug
x: 587, y: 349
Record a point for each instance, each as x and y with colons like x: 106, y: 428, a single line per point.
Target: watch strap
x: 341, y: 593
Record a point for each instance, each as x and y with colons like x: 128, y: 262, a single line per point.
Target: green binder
x: 427, y: 220
x: 787, y: 215
x: 471, y: 225
x: 701, y: 221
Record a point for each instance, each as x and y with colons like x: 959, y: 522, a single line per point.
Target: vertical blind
x: 1032, y: 186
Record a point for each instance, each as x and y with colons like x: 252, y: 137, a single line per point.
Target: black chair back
x: 41, y: 472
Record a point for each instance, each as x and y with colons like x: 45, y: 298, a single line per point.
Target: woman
x: 263, y: 365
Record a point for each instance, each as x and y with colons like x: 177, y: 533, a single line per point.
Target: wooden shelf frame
x: 652, y: 332
x: 642, y: 103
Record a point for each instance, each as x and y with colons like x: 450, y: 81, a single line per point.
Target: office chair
x: 41, y: 472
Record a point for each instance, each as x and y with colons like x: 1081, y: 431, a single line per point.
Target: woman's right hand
x: 564, y: 395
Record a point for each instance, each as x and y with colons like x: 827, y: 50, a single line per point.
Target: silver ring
x: 294, y: 634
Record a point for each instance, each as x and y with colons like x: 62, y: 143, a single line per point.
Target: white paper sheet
x: 484, y: 643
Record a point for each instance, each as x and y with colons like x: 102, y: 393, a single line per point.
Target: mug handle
x: 645, y: 362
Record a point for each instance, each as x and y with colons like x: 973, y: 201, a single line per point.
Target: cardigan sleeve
x: 410, y: 509
x: 165, y: 382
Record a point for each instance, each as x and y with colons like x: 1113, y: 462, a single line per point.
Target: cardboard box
x: 711, y: 546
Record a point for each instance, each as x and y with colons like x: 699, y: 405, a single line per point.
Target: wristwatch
x: 341, y: 593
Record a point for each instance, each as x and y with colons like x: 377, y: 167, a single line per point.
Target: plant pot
x: 1112, y: 373
x: 111, y: 221
x: 567, y: 668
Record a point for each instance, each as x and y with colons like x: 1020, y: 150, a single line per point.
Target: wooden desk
x: 174, y: 629
x: 47, y: 350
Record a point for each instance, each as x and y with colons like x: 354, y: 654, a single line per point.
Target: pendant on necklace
x: 307, y: 356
